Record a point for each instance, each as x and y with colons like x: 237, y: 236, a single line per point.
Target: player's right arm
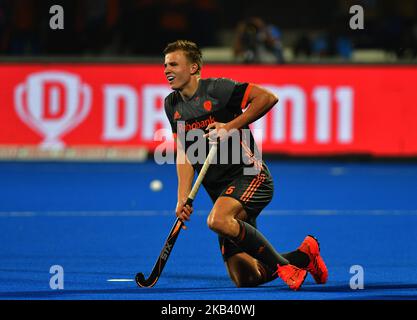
x: 185, y: 173
x: 185, y: 170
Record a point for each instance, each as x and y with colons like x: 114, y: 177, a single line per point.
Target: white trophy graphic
x: 59, y: 94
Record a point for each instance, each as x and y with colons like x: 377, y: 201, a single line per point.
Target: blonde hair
x: 191, y: 50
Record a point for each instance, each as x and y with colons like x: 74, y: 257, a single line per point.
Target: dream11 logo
x: 52, y: 103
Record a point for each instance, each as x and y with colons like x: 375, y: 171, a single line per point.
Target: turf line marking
x: 170, y: 213
x: 120, y: 280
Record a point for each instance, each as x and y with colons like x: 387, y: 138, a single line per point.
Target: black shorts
x: 254, y: 193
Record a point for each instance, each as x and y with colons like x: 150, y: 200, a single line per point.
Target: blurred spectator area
x: 283, y: 31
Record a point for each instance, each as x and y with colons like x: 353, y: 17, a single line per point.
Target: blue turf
x: 101, y: 221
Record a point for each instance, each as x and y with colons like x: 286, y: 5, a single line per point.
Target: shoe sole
x: 318, y: 244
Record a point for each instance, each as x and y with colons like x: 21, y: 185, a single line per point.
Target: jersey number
x: 230, y: 190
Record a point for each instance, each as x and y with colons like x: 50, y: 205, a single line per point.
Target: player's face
x: 178, y: 69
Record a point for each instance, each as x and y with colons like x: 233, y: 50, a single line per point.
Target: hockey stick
x: 175, y: 231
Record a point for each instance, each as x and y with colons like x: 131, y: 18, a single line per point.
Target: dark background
x: 142, y: 28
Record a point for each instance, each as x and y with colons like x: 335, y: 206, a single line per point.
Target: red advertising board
x: 325, y: 110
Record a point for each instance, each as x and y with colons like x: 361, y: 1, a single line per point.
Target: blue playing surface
x: 101, y: 221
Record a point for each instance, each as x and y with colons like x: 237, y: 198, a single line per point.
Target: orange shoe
x: 316, y: 267
x: 292, y: 276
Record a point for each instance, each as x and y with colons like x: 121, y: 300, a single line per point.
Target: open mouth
x: 170, y: 78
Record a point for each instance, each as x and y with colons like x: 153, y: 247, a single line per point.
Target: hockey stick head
x: 142, y: 282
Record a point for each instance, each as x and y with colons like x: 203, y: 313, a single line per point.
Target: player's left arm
x: 260, y: 101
